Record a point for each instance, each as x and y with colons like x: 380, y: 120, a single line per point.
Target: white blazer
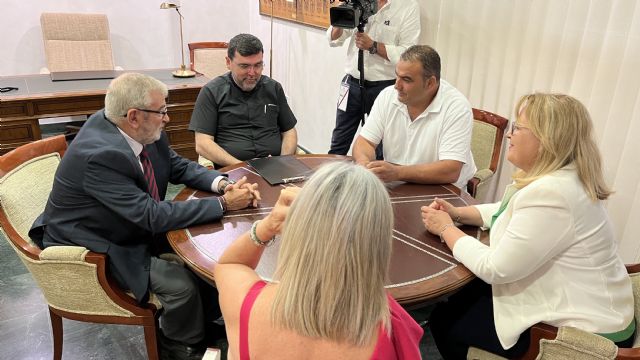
x: 552, y: 258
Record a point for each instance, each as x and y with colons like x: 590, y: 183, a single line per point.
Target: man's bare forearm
x: 206, y: 147
x: 438, y: 172
x: 289, y: 142
x: 363, y: 151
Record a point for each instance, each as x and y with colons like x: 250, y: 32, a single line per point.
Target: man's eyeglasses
x: 161, y: 112
x: 256, y: 67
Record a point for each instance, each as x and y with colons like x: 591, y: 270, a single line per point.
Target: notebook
x: 281, y: 169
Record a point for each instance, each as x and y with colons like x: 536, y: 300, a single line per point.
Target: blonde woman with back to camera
x: 328, y: 299
x: 552, y: 256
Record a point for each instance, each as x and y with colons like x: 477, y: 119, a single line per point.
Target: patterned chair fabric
x: 208, y: 58
x: 73, y: 279
x: 74, y: 42
x: 486, y: 145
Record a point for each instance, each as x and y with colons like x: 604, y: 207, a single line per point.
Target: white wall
x: 143, y: 35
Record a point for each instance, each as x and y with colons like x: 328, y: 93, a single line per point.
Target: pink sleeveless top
x: 402, y: 344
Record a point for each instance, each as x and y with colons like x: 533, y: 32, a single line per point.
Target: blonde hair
x: 564, y: 128
x: 130, y: 91
x: 334, y: 257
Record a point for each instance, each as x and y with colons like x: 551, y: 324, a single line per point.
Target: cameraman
x: 388, y: 33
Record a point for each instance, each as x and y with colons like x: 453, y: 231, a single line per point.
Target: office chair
x: 486, y: 145
x: 551, y: 343
x: 74, y: 42
x: 74, y: 280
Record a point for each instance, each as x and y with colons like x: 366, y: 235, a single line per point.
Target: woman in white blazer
x: 552, y: 256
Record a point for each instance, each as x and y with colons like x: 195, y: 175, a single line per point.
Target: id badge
x: 343, y: 96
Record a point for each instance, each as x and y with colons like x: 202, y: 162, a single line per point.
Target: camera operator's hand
x: 336, y: 32
x: 363, y: 41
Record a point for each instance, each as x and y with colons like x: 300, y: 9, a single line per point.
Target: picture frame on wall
x: 307, y: 12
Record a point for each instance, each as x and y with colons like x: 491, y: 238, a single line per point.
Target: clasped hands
x: 437, y: 216
x: 242, y: 194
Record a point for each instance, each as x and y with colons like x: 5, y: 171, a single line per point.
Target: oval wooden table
x: 422, y: 268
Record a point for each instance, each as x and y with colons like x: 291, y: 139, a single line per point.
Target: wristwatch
x: 223, y: 185
x: 374, y: 48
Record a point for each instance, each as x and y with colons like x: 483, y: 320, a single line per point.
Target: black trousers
x: 347, y: 122
x: 465, y: 320
x: 187, y: 301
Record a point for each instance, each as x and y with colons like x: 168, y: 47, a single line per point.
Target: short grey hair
x: 129, y: 91
x: 245, y: 45
x: 334, y: 257
x: 427, y: 56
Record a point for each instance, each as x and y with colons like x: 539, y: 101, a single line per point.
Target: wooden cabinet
x: 38, y: 97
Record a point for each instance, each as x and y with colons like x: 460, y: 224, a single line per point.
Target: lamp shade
x: 168, y: 5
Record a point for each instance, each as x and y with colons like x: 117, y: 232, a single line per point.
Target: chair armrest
x: 64, y: 253
x: 628, y: 354
x: 483, y: 174
x: 538, y: 332
x: 568, y: 341
x: 478, y: 178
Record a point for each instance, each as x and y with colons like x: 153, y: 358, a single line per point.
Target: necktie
x: 149, y: 174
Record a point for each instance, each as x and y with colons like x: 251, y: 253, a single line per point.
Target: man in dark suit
x: 107, y: 196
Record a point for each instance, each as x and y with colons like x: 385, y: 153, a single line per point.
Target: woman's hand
x: 444, y: 205
x: 435, y: 219
x: 271, y: 225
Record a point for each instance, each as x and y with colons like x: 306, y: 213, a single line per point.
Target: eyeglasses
x: 515, y: 127
x: 256, y: 67
x: 161, y: 112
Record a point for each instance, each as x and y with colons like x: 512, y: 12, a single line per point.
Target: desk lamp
x: 182, y: 72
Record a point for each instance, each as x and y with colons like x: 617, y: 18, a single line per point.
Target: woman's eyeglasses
x: 515, y: 127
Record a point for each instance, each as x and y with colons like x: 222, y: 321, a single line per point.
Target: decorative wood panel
x: 308, y: 12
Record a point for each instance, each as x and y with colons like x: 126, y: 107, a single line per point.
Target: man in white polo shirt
x: 425, y: 123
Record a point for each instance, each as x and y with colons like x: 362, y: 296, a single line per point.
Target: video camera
x: 352, y: 13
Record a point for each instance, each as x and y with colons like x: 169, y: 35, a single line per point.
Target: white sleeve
x: 487, y: 211
x: 408, y: 35
x: 373, y: 129
x: 457, y: 126
x: 541, y: 227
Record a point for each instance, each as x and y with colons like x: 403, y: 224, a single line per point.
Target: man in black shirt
x: 243, y: 115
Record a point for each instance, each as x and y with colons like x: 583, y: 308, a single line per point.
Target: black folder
x: 280, y: 169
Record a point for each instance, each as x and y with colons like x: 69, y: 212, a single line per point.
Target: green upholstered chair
x: 486, y: 145
x: 565, y: 343
x: 74, y: 280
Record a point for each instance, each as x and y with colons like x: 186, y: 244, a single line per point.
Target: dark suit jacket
x: 100, y: 201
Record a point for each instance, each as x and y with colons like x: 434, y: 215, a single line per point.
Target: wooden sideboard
x: 38, y: 97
